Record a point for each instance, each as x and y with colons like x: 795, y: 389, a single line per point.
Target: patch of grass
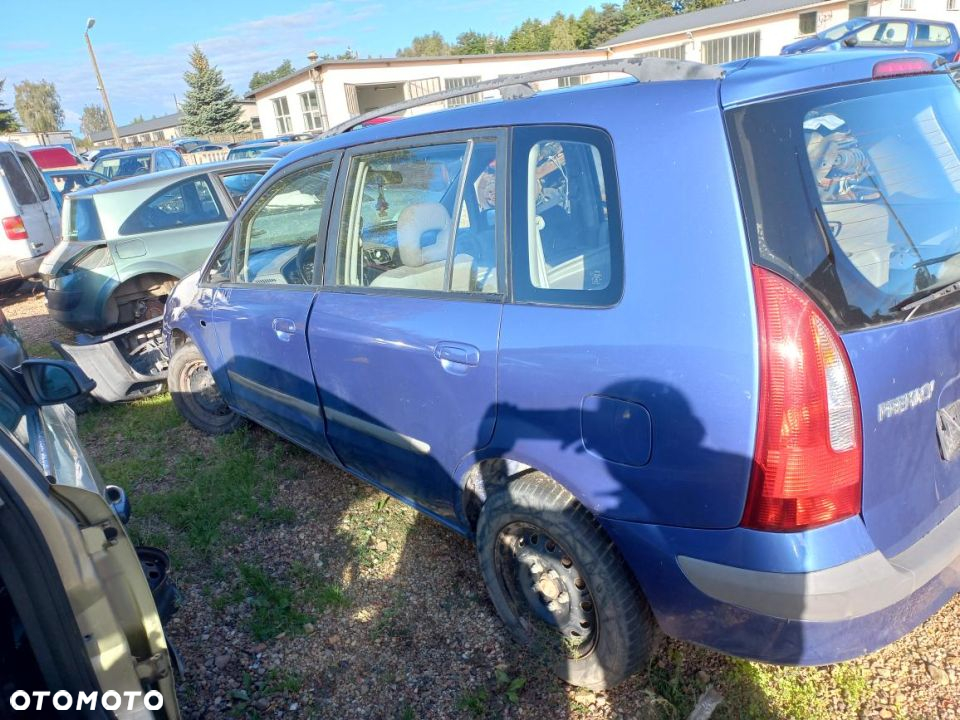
x: 314, y: 592
x: 230, y: 485
x: 853, y: 685
x: 765, y: 691
x: 283, y: 681
x: 509, y: 687
x: 475, y: 702
x: 273, y: 603
x: 40, y: 350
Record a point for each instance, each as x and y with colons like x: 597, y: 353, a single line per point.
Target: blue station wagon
x: 677, y: 350
x: 884, y: 33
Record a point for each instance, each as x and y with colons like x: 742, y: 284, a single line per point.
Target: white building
x: 759, y: 27
x: 328, y: 92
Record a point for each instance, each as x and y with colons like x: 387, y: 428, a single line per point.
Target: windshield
x: 855, y: 192
x: 125, y: 166
x: 838, y: 31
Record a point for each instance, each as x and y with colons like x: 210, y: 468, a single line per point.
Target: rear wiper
x: 918, y: 300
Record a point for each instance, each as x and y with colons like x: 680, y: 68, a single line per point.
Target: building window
x: 858, y: 9
x: 732, y: 47
x: 952, y: 4
x: 674, y: 52
x: 311, y: 110
x: 907, y: 5
x: 570, y: 81
x: 454, y: 83
x: 808, y: 23
x: 281, y: 110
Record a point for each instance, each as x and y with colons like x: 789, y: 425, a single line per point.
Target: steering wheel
x: 305, y: 261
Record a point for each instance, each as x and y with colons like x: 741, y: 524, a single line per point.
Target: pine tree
x: 8, y: 123
x: 210, y: 106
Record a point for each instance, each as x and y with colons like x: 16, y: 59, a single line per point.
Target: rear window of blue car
x: 854, y: 193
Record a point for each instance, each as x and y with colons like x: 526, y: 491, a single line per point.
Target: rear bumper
x: 78, y: 300
x: 795, y: 601
x: 30, y: 267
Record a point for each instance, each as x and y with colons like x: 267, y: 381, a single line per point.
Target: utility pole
x: 100, y: 85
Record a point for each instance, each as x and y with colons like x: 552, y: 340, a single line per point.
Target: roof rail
x: 513, y: 87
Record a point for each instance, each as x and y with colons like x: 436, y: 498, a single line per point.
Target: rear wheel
x: 560, y: 585
x: 195, y: 394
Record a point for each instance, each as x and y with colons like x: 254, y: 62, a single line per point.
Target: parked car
x: 137, y: 162
x: 282, y: 150
x: 61, y: 182
x: 11, y: 346
x: 78, y: 612
x: 886, y: 33
x: 126, y: 243
x: 185, y: 145
x: 210, y: 147
x: 96, y: 153
x: 738, y: 423
x: 249, y: 150
x: 31, y: 223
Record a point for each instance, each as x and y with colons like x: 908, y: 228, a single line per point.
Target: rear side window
x: 184, y: 204
x: 883, y: 35
x: 854, y: 193
x: 81, y: 220
x: 567, y: 247
x: 16, y: 179
x: 929, y: 35
x: 240, y: 184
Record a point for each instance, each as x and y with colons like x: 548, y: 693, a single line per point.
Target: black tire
x: 196, y: 396
x: 560, y: 585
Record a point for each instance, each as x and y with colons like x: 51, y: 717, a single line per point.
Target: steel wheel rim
x: 202, y: 389
x: 546, y: 590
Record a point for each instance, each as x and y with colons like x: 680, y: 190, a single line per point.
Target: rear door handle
x: 458, y: 353
x: 284, y: 328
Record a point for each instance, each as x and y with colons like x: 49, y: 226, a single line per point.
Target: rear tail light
x: 807, y: 468
x: 899, y: 67
x: 13, y: 227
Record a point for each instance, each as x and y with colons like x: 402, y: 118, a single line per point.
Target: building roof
x: 719, y: 15
x: 420, y: 59
x: 157, y: 123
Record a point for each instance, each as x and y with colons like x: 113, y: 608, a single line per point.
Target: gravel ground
x: 384, y: 613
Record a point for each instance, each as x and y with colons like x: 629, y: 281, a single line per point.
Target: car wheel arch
x: 131, y: 286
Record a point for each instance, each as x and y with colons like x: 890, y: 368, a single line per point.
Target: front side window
x: 184, y: 204
x: 310, y: 107
x: 565, y: 209
x: 125, y: 166
x: 883, y: 34
x: 929, y: 35
x: 163, y: 163
x: 281, y: 110
x: 278, y: 236
x: 400, y: 226
x: 867, y: 221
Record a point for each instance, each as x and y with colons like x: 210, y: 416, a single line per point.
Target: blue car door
x: 404, y: 334
x: 261, y: 316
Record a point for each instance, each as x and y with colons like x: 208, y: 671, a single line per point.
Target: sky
x: 142, y: 48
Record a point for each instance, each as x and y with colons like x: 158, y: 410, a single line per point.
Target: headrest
x: 413, y: 223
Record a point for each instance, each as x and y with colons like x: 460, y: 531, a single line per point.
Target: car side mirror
x: 51, y: 382
x: 850, y: 41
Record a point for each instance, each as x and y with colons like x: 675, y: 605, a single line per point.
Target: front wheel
x: 560, y: 585
x: 195, y: 394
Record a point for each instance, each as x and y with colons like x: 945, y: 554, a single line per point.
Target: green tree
x: 93, y: 119
x: 259, y: 79
x: 694, y: 5
x: 431, y: 44
x: 137, y: 119
x: 637, y: 12
x: 474, y: 43
x: 563, y: 32
x: 8, y: 122
x: 210, y: 106
x: 38, y: 106
x: 530, y: 36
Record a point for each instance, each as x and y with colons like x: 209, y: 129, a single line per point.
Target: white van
x: 29, y: 220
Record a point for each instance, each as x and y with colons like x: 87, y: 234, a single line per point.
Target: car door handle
x: 458, y: 353
x: 284, y: 328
